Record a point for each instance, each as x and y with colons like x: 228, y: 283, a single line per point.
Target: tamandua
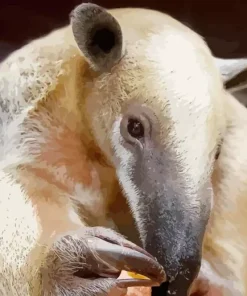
x: 120, y: 103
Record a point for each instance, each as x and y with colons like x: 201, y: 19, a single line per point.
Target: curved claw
x: 119, y: 257
x: 126, y: 283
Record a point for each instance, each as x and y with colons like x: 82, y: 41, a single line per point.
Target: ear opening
x: 98, y: 36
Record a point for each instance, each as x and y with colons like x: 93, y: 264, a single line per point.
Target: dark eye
x: 135, y: 128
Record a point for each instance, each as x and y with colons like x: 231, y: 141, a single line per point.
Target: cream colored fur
x: 58, y: 139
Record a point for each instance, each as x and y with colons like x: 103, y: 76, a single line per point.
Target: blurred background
x: 222, y: 23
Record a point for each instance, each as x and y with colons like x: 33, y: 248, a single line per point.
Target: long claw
x: 120, y: 258
x: 126, y: 283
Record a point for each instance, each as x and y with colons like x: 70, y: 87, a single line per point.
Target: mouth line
x: 161, y: 290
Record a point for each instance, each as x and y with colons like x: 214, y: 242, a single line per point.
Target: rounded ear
x: 234, y: 76
x: 98, y: 35
x: 233, y: 72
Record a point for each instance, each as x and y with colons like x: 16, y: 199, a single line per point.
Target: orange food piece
x: 136, y: 291
x: 135, y: 275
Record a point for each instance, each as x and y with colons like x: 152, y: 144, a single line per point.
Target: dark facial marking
x: 173, y: 229
x: 217, y: 154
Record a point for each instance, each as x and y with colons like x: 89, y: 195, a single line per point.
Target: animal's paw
x: 89, y: 262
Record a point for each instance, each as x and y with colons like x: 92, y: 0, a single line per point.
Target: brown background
x: 222, y: 23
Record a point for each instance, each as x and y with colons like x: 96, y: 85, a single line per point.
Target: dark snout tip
x: 119, y: 257
x: 180, y: 286
x: 181, y: 276
x: 181, y: 261
x: 177, y: 285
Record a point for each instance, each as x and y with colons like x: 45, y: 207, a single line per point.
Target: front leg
x: 89, y: 262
